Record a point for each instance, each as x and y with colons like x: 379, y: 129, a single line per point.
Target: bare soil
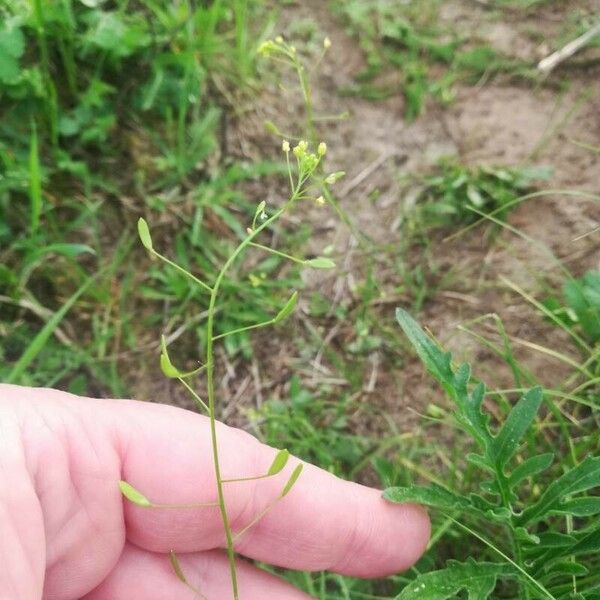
x: 498, y: 122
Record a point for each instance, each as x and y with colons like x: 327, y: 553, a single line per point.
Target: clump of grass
x: 457, y: 194
x: 426, y: 59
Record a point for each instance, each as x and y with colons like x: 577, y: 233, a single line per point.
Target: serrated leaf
x: 584, y: 476
x: 478, y: 579
x: 292, y: 480
x: 287, y: 309
x: 520, y: 418
x: 144, y: 233
x: 279, y: 462
x: 133, y: 495
x: 320, y: 262
x: 529, y: 467
x: 433, y: 495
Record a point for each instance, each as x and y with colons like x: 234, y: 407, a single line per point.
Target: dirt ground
x: 497, y: 122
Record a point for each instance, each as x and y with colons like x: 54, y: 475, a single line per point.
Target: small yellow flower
x: 322, y: 149
x: 326, y: 43
x: 320, y: 200
x: 285, y: 146
x: 279, y: 39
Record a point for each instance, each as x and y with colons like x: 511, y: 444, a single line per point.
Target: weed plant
x: 426, y: 59
x: 548, y: 537
x: 110, y: 109
x: 307, y: 181
x: 456, y: 194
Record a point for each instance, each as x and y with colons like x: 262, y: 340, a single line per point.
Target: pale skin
x: 66, y: 532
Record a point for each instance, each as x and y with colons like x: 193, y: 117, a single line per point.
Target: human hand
x: 67, y: 533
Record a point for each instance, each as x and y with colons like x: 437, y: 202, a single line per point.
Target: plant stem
x: 211, y: 385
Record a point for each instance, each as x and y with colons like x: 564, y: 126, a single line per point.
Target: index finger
x: 323, y: 523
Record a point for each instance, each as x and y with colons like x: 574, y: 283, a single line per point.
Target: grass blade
x: 41, y: 338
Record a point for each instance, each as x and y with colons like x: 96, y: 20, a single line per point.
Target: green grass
x: 425, y: 59
x: 117, y: 111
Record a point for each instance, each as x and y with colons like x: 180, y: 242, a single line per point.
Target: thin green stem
x: 261, y: 514
x: 181, y: 270
x: 197, y: 398
x: 242, y: 329
x: 211, y: 386
x: 185, y: 505
x: 489, y: 544
x: 255, y: 478
x: 277, y: 252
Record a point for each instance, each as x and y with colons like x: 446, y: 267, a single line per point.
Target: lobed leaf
x: 519, y: 420
x: 588, y: 506
x: 436, y: 361
x: 529, y: 467
x: 478, y: 579
x: 585, y: 476
x: 435, y: 496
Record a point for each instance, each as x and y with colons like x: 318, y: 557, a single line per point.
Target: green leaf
x: 587, y: 506
x: 529, y: 467
x: 12, y: 46
x: 279, y: 462
x: 436, y: 361
x: 144, y: 233
x: 39, y: 341
x: 588, y: 544
x: 434, y: 495
x: 567, y: 568
x: 134, y: 495
x: 439, y: 497
x: 168, y: 368
x: 439, y: 365
x: 584, y: 476
x: 287, y: 309
x: 554, y: 539
x: 520, y: 418
x: 35, y: 183
x: 292, y: 480
x: 478, y: 579
x: 177, y: 567
x: 320, y: 263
